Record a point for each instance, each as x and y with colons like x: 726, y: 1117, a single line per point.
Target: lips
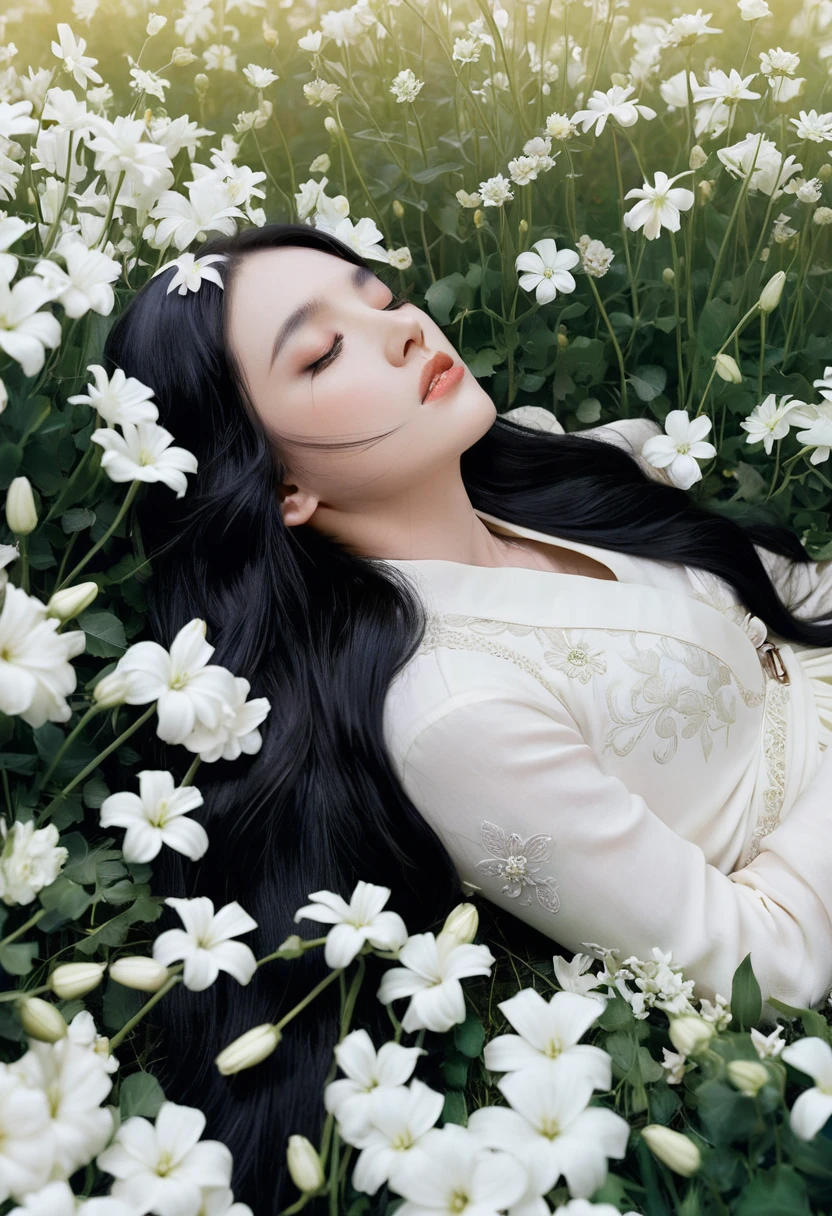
x: 434, y: 367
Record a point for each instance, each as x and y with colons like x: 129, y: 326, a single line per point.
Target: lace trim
x: 774, y: 750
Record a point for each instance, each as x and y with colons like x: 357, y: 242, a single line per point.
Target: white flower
x: 183, y: 220
x: 674, y: 1065
x: 728, y: 89
x: 679, y: 449
x: 406, y: 87
x: 237, y: 732
x: 30, y: 860
x: 753, y: 10
x: 660, y: 206
x: 118, y: 400
x: 615, y: 103
x: 25, y: 333
x: 75, y: 1082
x: 596, y: 259
x: 784, y: 89
x: 364, y: 237
x: 367, y: 1071
x: 192, y: 272
x: 259, y: 78
x: 806, y: 191
x: 143, y: 453
x: 719, y: 1013
x: 547, y: 270
x: 451, y: 1171
x: 777, y: 62
x: 814, y: 1106
x: 26, y: 1151
x: 552, y: 1129
x: 770, y: 420
x: 768, y: 1046
x: 572, y: 975
x: 659, y: 984
x: 219, y: 1201
x: 560, y: 126
x: 156, y: 816
x: 771, y: 171
x: 319, y: 92
x: 495, y: 191
x: 684, y: 30
x: 85, y: 285
x: 163, y: 1168
x: 819, y: 436
x: 58, y: 1199
x: 205, y: 943
x: 813, y: 126
x: 430, y: 973
x: 83, y: 1032
x: 548, y: 1034
x: 188, y: 690
x: 399, y: 1117
x: 79, y: 65
x: 825, y: 385
x: 354, y: 923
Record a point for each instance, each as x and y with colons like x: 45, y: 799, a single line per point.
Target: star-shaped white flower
x: 685, y: 30
x: 25, y: 332
x: 187, y: 688
x: 354, y: 923
x: 728, y: 89
x: 615, y: 103
x: 825, y: 385
x: 71, y: 51
x: 191, y: 271
x: 163, y: 1168
x: 814, y: 1106
x: 205, y: 942
x: 430, y: 973
x: 366, y: 1072
x: 768, y: 1046
x: 118, y: 399
x: 548, y: 1033
x: 236, y: 733
x: 36, y: 676
x: 770, y: 420
x: 572, y: 975
x: 679, y: 449
x: 399, y: 1119
x: 156, y: 816
x: 143, y: 453
x: 660, y: 206
x: 547, y: 270
x: 451, y: 1171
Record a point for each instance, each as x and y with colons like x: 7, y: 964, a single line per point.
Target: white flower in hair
x: 191, y: 272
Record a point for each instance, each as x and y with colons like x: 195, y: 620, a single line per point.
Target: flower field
x: 613, y: 209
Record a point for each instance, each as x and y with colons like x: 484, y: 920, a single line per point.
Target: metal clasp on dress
x: 772, y: 662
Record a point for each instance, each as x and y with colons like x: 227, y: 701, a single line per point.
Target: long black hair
x: 321, y: 632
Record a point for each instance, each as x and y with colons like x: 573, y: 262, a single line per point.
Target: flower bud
x: 201, y: 83
x: 111, y: 690
x: 155, y: 23
x: 292, y: 947
x: 461, y: 924
x: 270, y: 36
x: 620, y: 79
x: 21, y: 515
x: 398, y: 209
x: 673, y: 1149
x: 690, y: 1034
x: 181, y: 56
x: 771, y: 293
x: 563, y: 339
x: 825, y: 172
x: 137, y: 971
x: 304, y: 1164
x: 523, y: 226
x: 331, y: 125
x: 71, y: 601
x: 41, y: 1020
x: 748, y: 1076
x: 706, y: 189
x: 698, y: 157
x: 249, y: 1049
x: 71, y: 980
x: 4, y: 396
x: 727, y: 368
x: 479, y: 218
x: 668, y: 276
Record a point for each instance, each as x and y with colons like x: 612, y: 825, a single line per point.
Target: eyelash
x: 335, y: 350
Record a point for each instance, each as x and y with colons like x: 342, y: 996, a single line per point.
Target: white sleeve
x: 610, y: 871
x: 804, y: 587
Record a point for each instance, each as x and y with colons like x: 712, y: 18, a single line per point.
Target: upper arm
x: 528, y: 815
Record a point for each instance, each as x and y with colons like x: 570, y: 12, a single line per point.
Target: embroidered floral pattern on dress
x: 512, y: 858
x: 774, y: 750
x: 669, y: 701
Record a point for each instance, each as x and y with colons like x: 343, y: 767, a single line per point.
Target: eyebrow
x: 308, y: 311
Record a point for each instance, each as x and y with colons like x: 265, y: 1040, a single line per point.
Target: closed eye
x: 338, y: 344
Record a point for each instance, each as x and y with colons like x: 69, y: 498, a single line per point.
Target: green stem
x: 619, y: 356
x: 33, y: 920
x: 146, y: 1007
x: 727, y: 342
x: 131, y: 494
x: 740, y: 198
x: 776, y: 470
x: 310, y: 996
x: 623, y: 226
x: 90, y: 713
x: 189, y: 776
x: 94, y: 764
x: 762, y: 358
x: 680, y: 362
x: 24, y: 564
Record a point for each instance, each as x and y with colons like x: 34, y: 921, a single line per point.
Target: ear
x: 297, y: 506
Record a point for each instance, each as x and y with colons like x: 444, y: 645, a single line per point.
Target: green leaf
x: 78, y: 519
x: 11, y: 455
x: 119, y: 1005
x: 105, y: 634
x: 716, y: 321
x: 726, y: 1114
x: 455, y: 1109
x: 114, y: 931
x: 469, y: 1036
x: 140, y: 1094
x: 772, y: 1193
x: 430, y: 174
x: 455, y: 1070
x: 18, y: 958
x: 483, y: 363
x: 663, y: 1102
x: 746, y: 997
x: 94, y: 792
x: 618, y: 1015
x: 649, y: 381
x: 19, y: 762
x: 529, y: 382
x: 814, y: 1023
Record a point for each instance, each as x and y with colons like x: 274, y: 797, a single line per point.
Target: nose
x: 412, y: 333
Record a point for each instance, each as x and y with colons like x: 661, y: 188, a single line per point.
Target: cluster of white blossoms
x: 30, y: 859
x: 316, y: 208
x: 36, y: 675
x: 775, y: 416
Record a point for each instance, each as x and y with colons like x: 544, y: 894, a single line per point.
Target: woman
x: 494, y: 655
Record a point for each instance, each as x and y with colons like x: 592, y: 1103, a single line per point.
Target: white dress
x: 628, y: 762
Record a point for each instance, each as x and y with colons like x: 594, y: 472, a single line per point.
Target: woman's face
x: 366, y: 392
